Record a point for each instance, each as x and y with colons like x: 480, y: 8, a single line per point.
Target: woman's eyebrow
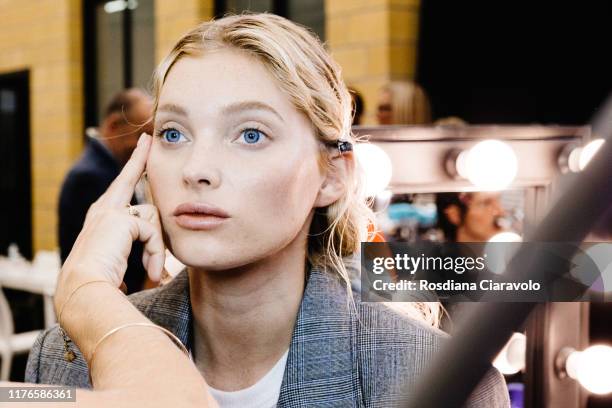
x: 250, y: 105
x: 173, y: 108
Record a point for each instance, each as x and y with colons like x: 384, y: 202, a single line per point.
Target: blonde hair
x: 409, y: 103
x: 313, y: 81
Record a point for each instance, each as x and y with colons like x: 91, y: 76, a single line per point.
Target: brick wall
x: 374, y: 41
x: 44, y: 37
x: 174, y: 18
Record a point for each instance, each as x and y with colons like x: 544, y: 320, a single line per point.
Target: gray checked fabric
x: 340, y: 355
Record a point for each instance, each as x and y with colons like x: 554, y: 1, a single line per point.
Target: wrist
x: 91, y: 310
x: 73, y: 276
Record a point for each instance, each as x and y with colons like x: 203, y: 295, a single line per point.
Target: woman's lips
x: 199, y: 216
x: 199, y: 221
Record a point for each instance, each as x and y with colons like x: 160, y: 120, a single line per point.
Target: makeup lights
x: 574, y: 158
x: 592, y: 367
x: 511, y: 359
x: 377, y: 167
x: 506, y: 236
x: 499, y: 256
x: 490, y: 165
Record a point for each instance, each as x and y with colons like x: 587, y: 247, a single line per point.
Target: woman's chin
x: 208, y: 259
x: 214, y: 254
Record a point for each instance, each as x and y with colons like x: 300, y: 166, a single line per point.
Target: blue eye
x: 251, y: 136
x: 171, y: 135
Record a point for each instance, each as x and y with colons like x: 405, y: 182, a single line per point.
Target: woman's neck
x: 244, y: 317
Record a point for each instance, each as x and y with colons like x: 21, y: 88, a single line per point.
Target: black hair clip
x: 344, y: 146
x: 341, y: 145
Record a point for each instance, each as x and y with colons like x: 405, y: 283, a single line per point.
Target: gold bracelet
x: 69, y: 355
x: 59, y: 316
x: 174, y: 339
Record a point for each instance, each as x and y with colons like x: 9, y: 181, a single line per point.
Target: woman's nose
x: 200, y: 170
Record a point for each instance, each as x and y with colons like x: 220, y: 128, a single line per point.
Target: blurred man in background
x: 469, y: 217
x: 127, y: 115
x: 466, y: 217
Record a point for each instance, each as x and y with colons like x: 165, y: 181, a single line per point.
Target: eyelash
x: 160, y: 133
x: 257, y: 129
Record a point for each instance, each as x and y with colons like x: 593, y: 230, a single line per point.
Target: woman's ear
x: 334, y: 184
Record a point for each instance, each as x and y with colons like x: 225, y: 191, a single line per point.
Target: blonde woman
x: 256, y: 190
x: 403, y: 103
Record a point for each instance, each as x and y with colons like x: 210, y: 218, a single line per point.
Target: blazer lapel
x: 171, y: 308
x: 322, y: 362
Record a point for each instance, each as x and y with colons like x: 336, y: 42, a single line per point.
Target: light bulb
x: 506, y: 236
x: 377, y: 167
x: 592, y: 368
x: 119, y: 5
x: 382, y: 200
x: 498, y: 255
x: 490, y: 165
x: 588, y: 151
x: 115, y: 6
x: 511, y: 359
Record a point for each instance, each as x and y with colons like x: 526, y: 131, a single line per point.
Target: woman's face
x: 227, y: 136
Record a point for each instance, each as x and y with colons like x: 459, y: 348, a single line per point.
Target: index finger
x: 121, y: 190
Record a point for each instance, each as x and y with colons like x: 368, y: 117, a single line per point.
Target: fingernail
x: 141, y: 139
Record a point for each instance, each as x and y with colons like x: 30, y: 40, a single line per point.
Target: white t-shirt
x: 263, y: 394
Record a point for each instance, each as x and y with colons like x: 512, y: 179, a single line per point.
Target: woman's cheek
x: 160, y: 186
x: 286, y: 196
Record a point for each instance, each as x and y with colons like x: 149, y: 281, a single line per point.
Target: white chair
x: 11, y: 343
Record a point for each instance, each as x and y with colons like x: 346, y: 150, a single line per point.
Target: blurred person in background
x: 358, y: 106
x: 127, y: 115
x: 469, y: 217
x: 403, y: 103
x: 466, y: 217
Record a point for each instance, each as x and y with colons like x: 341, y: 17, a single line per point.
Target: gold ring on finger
x: 133, y: 210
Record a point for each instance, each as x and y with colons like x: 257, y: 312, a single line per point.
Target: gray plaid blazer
x: 338, y: 357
